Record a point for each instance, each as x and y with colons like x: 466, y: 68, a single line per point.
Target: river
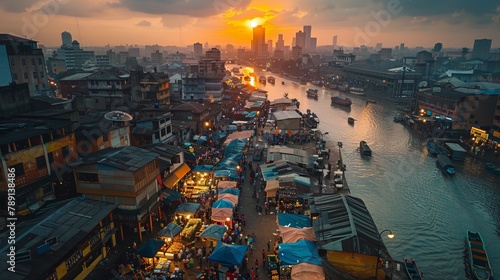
x: 400, y: 184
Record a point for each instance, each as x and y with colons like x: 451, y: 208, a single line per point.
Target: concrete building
x: 194, y: 115
x: 280, y: 43
x: 193, y: 87
x: 74, y: 56
x: 126, y: 177
x: 38, y: 150
x: 481, y: 49
x: 307, y: 38
x: 157, y: 57
x: 23, y: 62
x: 240, y: 53
x: 300, y: 40
x: 312, y: 44
x: 93, y: 137
x: 155, y: 87
x: 385, y: 54
x: 14, y: 99
x: 152, y: 130
x: 134, y: 52
x: 389, y: 77
x: 67, y: 39
x: 296, y: 52
x: 102, y: 60
x: 198, y: 50
x: 67, y: 244
x: 335, y: 38
x: 341, y: 59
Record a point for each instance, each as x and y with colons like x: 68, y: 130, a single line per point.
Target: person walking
x: 256, y: 266
x: 264, y: 258
x: 269, y: 245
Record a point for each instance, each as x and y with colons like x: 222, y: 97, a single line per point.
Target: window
x: 169, y: 129
x: 96, y: 101
x: 105, y: 137
x: 12, y: 62
x: 87, y: 177
x: 162, y: 132
x: 41, y: 74
x: 65, y: 151
x: 19, y: 169
x: 32, y: 61
x: 51, y: 157
x: 40, y: 62
x: 35, y: 75
x: 25, y: 75
x: 23, y: 61
x: 40, y: 162
x: 14, y: 76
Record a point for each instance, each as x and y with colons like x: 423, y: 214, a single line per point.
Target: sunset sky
x: 455, y: 23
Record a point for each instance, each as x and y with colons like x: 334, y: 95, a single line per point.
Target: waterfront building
x: 454, y: 104
x: 385, y: 76
x: 23, y: 62
x: 125, y: 176
x: 341, y: 59
x: 68, y: 244
x: 38, y: 149
x: 259, y: 47
x: 481, y: 49
x: 14, y: 99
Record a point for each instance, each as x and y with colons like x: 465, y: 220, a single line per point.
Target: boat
x: 371, y: 101
x: 364, y: 149
x: 435, y: 148
x: 478, y: 258
x: 271, y: 80
x: 412, y: 269
x: 282, y: 83
x: 262, y: 79
x: 444, y: 163
x: 357, y: 91
x: 312, y: 93
x: 341, y: 101
x: 311, y: 120
x: 493, y: 168
x: 398, y: 119
x: 343, y: 87
x: 350, y: 120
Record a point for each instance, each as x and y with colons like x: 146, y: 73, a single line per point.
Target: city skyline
x: 95, y: 23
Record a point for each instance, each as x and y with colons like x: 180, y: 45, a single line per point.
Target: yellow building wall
x: 358, y: 266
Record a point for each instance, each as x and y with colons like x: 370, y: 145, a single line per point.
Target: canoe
x: 478, y: 258
x: 412, y: 269
x: 493, y: 168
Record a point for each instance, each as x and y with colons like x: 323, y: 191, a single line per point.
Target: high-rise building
x: 312, y: 44
x: 156, y: 57
x: 206, y: 46
x: 66, y: 39
x: 385, y: 54
x: 133, y: 52
x: 198, y: 50
x: 259, y: 40
x: 280, y: 44
x: 300, y: 40
x: 307, y: 38
x: 240, y: 53
x: 481, y: 49
x: 270, y: 46
x: 213, y: 53
x: 335, y: 41
x: 26, y: 63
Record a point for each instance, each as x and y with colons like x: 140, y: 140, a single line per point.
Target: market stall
x: 228, y: 255
x: 213, y: 233
x: 198, y: 183
x: 185, y: 211
x: 149, y: 252
x: 307, y: 271
x: 272, y: 187
x: 222, y: 211
x: 229, y: 197
x: 291, y: 234
x: 191, y: 229
x: 226, y: 184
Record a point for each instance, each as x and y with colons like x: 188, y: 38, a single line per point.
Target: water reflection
x: 401, y: 185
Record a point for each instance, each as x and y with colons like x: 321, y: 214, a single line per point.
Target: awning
x: 176, y: 175
x: 169, y: 195
x: 272, y: 187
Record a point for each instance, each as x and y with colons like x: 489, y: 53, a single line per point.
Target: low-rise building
x: 152, y: 130
x: 14, y: 99
x: 125, y: 176
x: 194, y: 115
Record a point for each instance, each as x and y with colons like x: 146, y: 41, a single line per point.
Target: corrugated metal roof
x: 128, y: 158
x: 284, y: 115
x: 340, y: 218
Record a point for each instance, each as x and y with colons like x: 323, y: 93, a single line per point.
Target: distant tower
x: 66, y: 39
x: 335, y: 41
x: 300, y: 40
x: 481, y: 49
x: 259, y: 40
x: 206, y: 45
x: 270, y: 46
x: 198, y: 50
x: 280, y: 44
x: 307, y: 38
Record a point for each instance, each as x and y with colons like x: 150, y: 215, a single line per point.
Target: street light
x: 390, y: 235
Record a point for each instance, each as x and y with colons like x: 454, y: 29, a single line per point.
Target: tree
x: 437, y: 47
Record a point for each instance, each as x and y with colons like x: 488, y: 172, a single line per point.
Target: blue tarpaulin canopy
x: 187, y: 208
x: 150, y: 248
x: 222, y: 203
x: 232, y: 156
x: 203, y: 168
x: 293, y: 220
x: 251, y: 115
x: 228, y: 255
x: 214, y: 232
x: 169, y: 195
x: 220, y: 135
x: 170, y: 230
x: 231, y: 191
x: 302, y: 251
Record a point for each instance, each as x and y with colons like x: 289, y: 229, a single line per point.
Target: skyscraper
x: 270, y: 46
x: 307, y: 38
x: 66, y: 39
x: 312, y: 44
x: 280, y: 44
x: 300, y: 40
x: 259, y: 40
x: 335, y: 41
x: 198, y: 50
x: 481, y: 49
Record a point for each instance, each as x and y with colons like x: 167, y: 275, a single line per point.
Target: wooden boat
x: 271, y: 80
x: 350, y: 120
x: 357, y: 91
x: 312, y: 93
x: 412, y: 269
x: 435, y: 148
x: 495, y: 169
x: 341, y: 101
x: 398, y: 119
x: 343, y: 87
x: 371, y: 101
x: 364, y: 149
x: 478, y: 258
x: 262, y: 79
x: 444, y: 163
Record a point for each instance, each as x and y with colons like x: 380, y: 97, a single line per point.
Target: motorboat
x: 271, y: 80
x: 262, y: 79
x: 350, y: 120
x: 357, y: 91
x: 412, y: 269
x: 343, y: 87
x: 312, y: 93
x: 444, y: 163
x: 495, y: 169
x: 364, y: 149
x: 343, y: 101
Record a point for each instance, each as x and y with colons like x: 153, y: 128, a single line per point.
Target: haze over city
x: 121, y: 22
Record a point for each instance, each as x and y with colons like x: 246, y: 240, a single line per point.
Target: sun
x: 253, y: 22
